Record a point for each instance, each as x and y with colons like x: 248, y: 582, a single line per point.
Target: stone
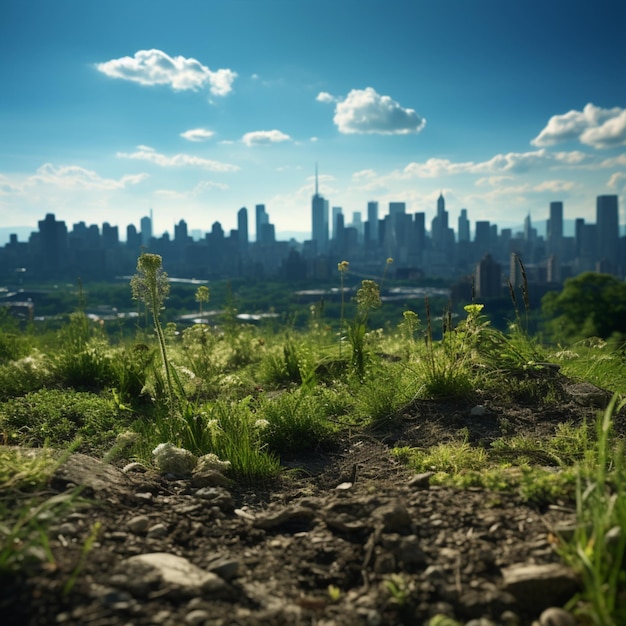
x: 393, y: 518
x: 554, y: 616
x: 224, y: 567
x: 139, y: 524
x: 209, y: 478
x: 421, y: 481
x: 478, y: 411
x: 157, y: 531
x: 217, y: 496
x: 540, y: 585
x: 196, y: 617
x: 293, y: 517
x: 173, y: 570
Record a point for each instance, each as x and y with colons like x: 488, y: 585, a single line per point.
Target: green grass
x: 252, y: 395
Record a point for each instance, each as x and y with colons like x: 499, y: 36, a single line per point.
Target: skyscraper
x: 555, y: 228
x: 372, y: 220
x: 607, y: 224
x: 146, y: 230
x: 463, y: 226
x: 262, y: 218
x: 319, y: 219
x: 242, y: 229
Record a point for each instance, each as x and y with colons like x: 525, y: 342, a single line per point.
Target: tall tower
x: 319, y: 219
x: 242, y: 229
x: 555, y: 228
x: 607, y: 224
x: 463, y: 226
x: 372, y: 220
x: 262, y: 218
x: 146, y: 230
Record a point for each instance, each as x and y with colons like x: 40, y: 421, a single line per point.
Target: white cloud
x: 618, y: 161
x: 617, y: 179
x: 366, y: 112
x: 593, y: 126
x: 145, y: 153
x: 512, y: 162
x: 155, y: 67
x: 197, y: 134
x: 75, y: 177
x: 325, y: 97
x: 261, y: 137
x: 368, y: 174
x: 198, y: 190
x: 555, y: 186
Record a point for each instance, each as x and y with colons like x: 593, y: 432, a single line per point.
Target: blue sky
x: 196, y: 108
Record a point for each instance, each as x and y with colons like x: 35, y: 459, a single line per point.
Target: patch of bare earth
x: 351, y: 538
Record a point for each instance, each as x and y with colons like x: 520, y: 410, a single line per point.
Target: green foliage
x: 590, y: 305
x: 57, y: 417
x: 25, y: 512
x: 29, y: 373
x: 598, y: 548
x: 295, y: 421
x: 367, y: 298
x: 14, y: 344
x: 151, y: 285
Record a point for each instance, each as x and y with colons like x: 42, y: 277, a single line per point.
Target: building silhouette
x: 319, y: 220
x: 93, y: 252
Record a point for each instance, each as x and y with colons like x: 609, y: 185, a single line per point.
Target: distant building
x: 488, y: 278
x: 319, y: 220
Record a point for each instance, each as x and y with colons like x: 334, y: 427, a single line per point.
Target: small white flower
x: 211, y: 462
x: 261, y: 424
x: 172, y: 460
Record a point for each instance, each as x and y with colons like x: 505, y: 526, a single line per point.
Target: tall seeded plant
x: 151, y: 285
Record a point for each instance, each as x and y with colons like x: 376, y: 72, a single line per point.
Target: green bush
x: 58, y: 417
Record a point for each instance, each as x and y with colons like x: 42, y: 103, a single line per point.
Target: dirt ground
x: 346, y: 537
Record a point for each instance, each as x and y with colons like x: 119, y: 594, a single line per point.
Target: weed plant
x: 598, y: 548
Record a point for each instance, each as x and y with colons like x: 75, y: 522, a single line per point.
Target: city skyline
x: 198, y: 112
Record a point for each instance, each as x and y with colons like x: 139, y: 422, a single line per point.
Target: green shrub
x: 295, y: 421
x: 58, y: 417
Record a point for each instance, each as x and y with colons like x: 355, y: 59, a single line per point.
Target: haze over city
x: 112, y: 109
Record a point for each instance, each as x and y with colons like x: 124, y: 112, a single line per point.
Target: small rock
x: 343, y: 486
x: 540, y: 585
x: 224, y: 567
x: 134, y: 467
x: 421, y: 481
x: 393, y: 517
x: 297, y: 516
x: 217, y: 496
x: 478, y: 411
x: 209, y: 478
x: 157, y: 531
x: 144, y: 496
x: 173, y: 570
x: 139, y: 524
x: 211, y: 583
x: 198, y: 616
x: 508, y: 618
x: 554, y: 616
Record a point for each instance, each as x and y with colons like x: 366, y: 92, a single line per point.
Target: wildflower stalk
x: 151, y: 286
x: 202, y: 295
x: 343, y: 268
x: 367, y: 298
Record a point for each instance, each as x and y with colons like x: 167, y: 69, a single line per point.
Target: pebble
x: 421, y: 481
x: 554, y: 616
x: 198, y: 616
x: 157, y: 531
x: 144, y: 496
x: 139, y: 524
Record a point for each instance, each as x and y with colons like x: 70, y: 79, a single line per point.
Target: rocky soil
x: 351, y: 538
